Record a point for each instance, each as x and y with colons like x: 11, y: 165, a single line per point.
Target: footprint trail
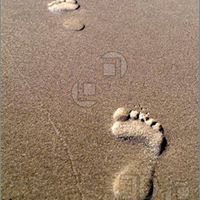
x: 138, y: 126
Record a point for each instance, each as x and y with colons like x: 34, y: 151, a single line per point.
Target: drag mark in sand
x: 58, y: 134
x: 134, y: 125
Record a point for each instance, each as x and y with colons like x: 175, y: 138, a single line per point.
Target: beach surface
x: 61, y: 88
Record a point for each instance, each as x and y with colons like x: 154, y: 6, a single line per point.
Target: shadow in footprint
x: 132, y: 140
x: 150, y: 194
x: 163, y: 145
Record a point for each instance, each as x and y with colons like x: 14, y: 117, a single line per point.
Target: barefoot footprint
x: 131, y: 124
x: 70, y: 23
x: 134, y: 182
x: 62, y: 5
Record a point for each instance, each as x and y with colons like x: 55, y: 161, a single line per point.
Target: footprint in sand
x: 72, y: 23
x: 138, y: 126
x: 76, y: 21
x: 62, y: 5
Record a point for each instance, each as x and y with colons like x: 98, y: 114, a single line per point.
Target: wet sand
x: 57, y: 147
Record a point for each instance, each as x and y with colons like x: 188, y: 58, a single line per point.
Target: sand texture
x: 61, y: 88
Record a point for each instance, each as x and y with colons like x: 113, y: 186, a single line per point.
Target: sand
x: 57, y: 142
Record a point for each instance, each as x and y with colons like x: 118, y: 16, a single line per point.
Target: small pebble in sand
x: 73, y: 24
x: 61, y: 5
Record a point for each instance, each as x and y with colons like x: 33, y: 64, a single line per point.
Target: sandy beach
x: 61, y: 87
